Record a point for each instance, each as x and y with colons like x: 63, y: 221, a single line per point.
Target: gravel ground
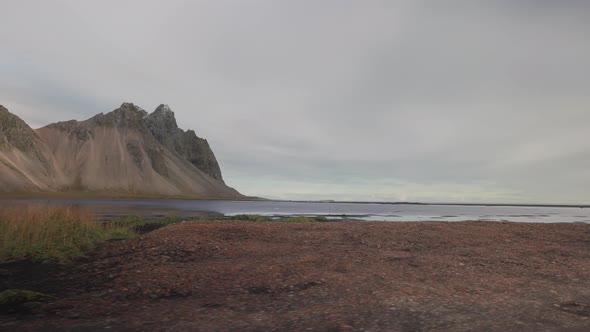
x: 334, y: 276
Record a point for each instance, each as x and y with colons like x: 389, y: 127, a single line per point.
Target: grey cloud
x: 474, y: 100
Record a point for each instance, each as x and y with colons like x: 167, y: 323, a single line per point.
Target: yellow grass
x: 55, y: 233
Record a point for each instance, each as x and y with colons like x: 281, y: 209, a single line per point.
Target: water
x: 107, y: 208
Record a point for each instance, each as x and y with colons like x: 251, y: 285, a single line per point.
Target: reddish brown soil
x: 343, y: 276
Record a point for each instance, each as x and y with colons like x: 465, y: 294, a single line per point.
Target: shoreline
x: 155, y: 208
x: 581, y: 206
x: 89, y: 195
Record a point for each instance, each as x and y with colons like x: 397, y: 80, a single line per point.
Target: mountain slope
x: 162, y: 124
x: 113, y: 154
x: 25, y: 163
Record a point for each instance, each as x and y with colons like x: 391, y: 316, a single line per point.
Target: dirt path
x: 342, y: 276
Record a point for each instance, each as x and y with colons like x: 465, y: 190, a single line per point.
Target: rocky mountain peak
x: 15, y: 132
x: 197, y: 151
x: 163, y: 108
x: 78, y: 130
x: 162, y: 120
x: 131, y: 109
x: 126, y: 116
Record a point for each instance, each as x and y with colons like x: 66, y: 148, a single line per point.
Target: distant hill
x: 127, y: 152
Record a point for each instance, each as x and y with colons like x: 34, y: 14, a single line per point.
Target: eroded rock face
x: 126, y: 151
x: 77, y: 130
x: 187, y: 144
x: 25, y: 163
x: 15, y: 132
x: 126, y: 116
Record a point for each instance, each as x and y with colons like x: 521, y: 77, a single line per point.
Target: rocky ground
x: 340, y: 276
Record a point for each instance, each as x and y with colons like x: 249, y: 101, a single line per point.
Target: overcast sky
x: 349, y: 100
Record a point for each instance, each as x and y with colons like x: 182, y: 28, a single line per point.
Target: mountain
x: 162, y: 124
x: 126, y: 152
x: 25, y: 162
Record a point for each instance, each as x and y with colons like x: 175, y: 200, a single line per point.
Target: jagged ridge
x: 15, y: 132
x: 124, y: 151
x: 162, y: 124
x: 24, y: 162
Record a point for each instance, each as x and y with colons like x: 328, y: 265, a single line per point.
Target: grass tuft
x: 52, y: 233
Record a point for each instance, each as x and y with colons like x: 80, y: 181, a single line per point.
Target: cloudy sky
x: 465, y: 101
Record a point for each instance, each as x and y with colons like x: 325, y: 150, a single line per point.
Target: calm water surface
x: 107, y: 208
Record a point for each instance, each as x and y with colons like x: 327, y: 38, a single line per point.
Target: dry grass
x: 55, y: 233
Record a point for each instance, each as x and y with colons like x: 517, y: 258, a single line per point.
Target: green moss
x: 304, y: 219
x: 296, y: 219
x: 12, y: 296
x: 21, y: 301
x: 140, y: 225
x: 249, y: 217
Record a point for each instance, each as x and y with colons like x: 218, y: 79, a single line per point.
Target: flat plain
x: 323, y: 276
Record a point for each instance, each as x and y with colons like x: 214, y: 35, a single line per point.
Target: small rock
x: 73, y: 315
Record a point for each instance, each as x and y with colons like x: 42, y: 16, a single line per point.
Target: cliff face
x: 25, y: 163
x: 124, y: 152
x: 162, y: 125
x: 15, y: 132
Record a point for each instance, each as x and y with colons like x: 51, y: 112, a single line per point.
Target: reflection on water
x: 109, y: 208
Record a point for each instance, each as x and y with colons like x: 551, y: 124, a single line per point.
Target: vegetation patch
x: 297, y: 219
x: 63, y: 233
x: 304, y: 219
x: 249, y: 217
x: 142, y: 225
x: 21, y: 301
x: 46, y: 233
